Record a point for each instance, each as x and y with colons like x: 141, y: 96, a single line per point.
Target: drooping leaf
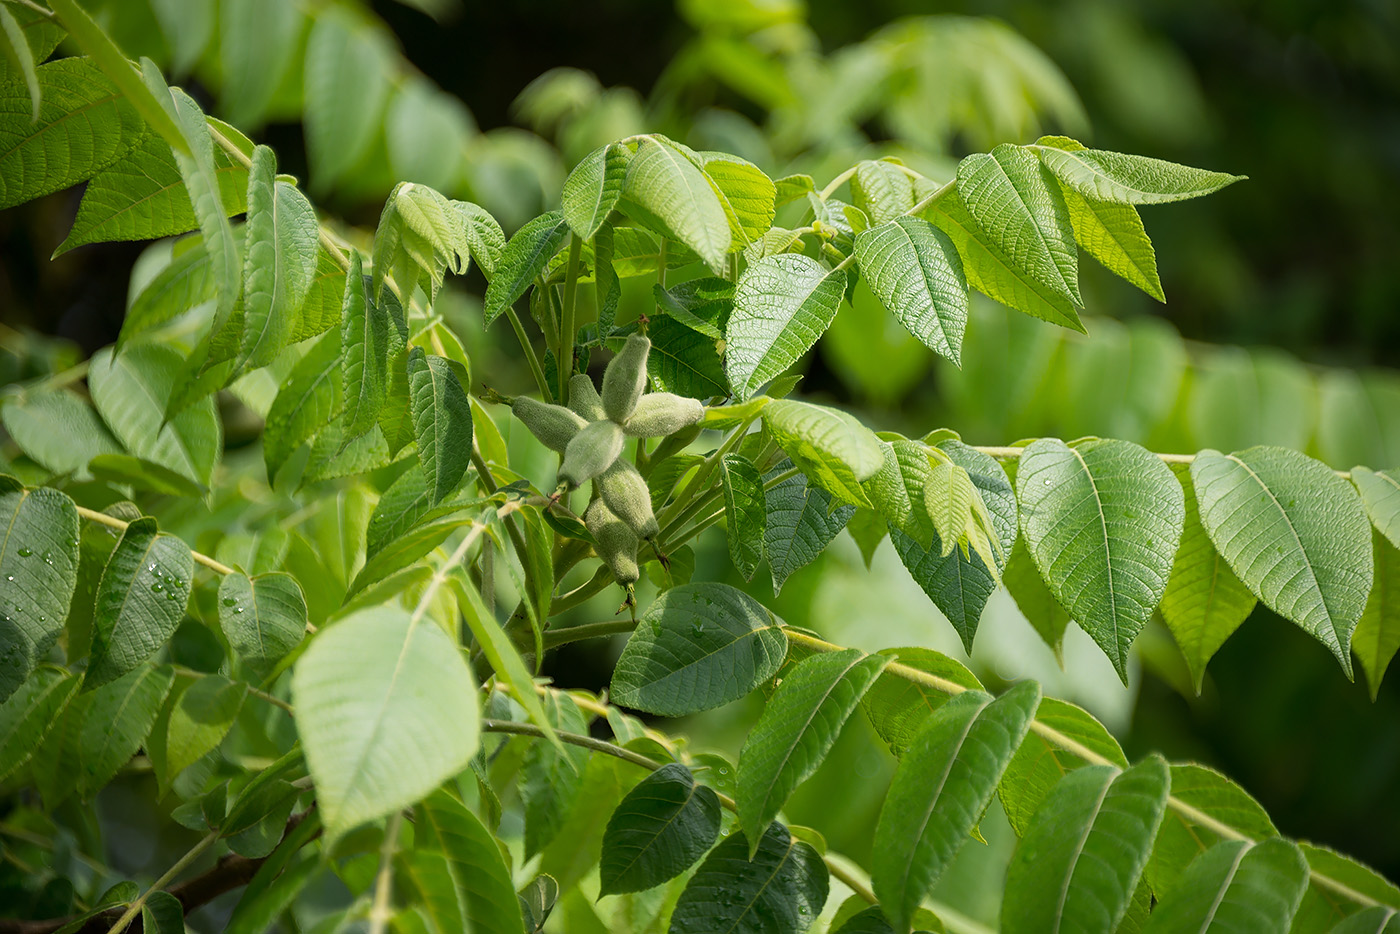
x: 39, y: 566
x: 1204, y: 601
x: 660, y: 829
x: 1113, y: 234
x: 140, y: 600
x: 882, y: 191
x: 1380, y: 492
x: 57, y: 430
x: 898, y: 706
x: 943, y: 783
x: 201, y: 719
x: 915, y: 271
x: 262, y: 617
x: 592, y: 189
x: 1102, y: 520
x: 310, y: 397
x: 781, y: 890
x: 1180, y: 840
x: 386, y: 710
x: 483, y: 234
x: 364, y: 338
x: 1235, y: 886
x: 552, y: 776
x: 799, y: 725
x: 1123, y: 178
x: 1294, y: 532
x: 1039, y: 764
x: 85, y: 124
x: 782, y: 304
x: 479, y: 872
x: 526, y: 254
x: 28, y: 714
x: 116, y: 720
x: 745, y: 193
x: 801, y: 520
x: 348, y: 62
x: 1377, y: 634
x: 745, y: 512
x: 442, y: 420
x: 1078, y: 864
x: 1035, y: 601
x: 666, y: 191
x: 830, y: 446
x: 696, y: 647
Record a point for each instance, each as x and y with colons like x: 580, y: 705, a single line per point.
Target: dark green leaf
x: 660, y: 829
x: 479, y: 871
x: 364, y: 338
x: 1235, y: 886
x: 309, y: 399
x: 780, y: 891
x: 262, y: 617
x: 1039, y: 764
x: 552, y: 776
x: 745, y: 512
x: 39, y: 569
x: 28, y: 714
x: 200, y: 720
x: 525, y: 257
x: 115, y: 723
x: 782, y: 304
x: 898, y: 706
x: 442, y: 420
x: 801, y: 521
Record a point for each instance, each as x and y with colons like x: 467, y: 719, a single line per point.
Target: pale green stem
x: 381, y: 912
x: 183, y: 863
x: 530, y: 356
x: 569, y: 325
x: 836, y: 183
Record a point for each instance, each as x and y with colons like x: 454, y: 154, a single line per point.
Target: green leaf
x: 386, y: 710
x: 85, y: 124
x: 574, y: 854
x: 1374, y: 920
x: 1294, y: 532
x: 940, y: 789
x: 201, y: 719
x: 1035, y: 601
x: 1319, y: 904
x: 484, y: 237
x: 1204, y: 601
x: 746, y: 194
x: 1039, y: 764
x: 263, y: 618
x: 745, y: 512
x: 39, y: 564
x: 442, y: 420
x: 552, y: 776
x: 116, y: 720
x: 18, y: 53
x: 364, y: 338
x: 1080, y: 859
x: 28, y: 715
x: 57, y: 430
x: 1380, y: 493
x: 592, y: 189
x: 419, y: 540
x: 667, y: 192
x: 1126, y: 179
x: 696, y: 647
x: 140, y: 600
x: 1102, y: 520
x: 348, y: 71
x: 281, y: 245
x: 830, y: 446
x: 684, y: 361
x: 781, y: 890
x: 782, y: 304
x: 525, y: 256
x: 130, y: 391
x: 1020, y: 209
x: 915, y: 271
x: 1180, y: 841
x: 1235, y: 886
x: 186, y: 283
x: 310, y: 398
x: 1377, y: 634
x: 479, y: 871
x: 427, y: 876
x: 800, y: 521
x: 142, y: 197
x: 798, y: 727
x: 898, y: 707
x: 259, y: 44
x: 882, y: 191
x: 995, y: 271
x: 1113, y: 234
x: 660, y: 829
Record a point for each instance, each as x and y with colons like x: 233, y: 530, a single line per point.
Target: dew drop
x: 25, y: 552
x: 152, y: 567
x: 9, y: 577
x: 48, y: 558
x: 156, y: 588
x: 238, y: 610
x: 229, y: 601
x: 1047, y: 482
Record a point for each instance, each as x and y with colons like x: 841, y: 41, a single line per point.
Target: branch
x: 101, y: 518
x: 1013, y: 452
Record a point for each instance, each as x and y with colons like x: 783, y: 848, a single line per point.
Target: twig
x: 112, y: 522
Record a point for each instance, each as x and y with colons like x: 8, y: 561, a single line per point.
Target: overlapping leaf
x: 915, y: 271
x: 526, y: 255
x: 666, y: 191
x: 800, y: 520
x: 830, y: 446
x: 39, y: 564
x: 1235, y: 886
x: 781, y: 306
x: 592, y: 189
x: 1124, y: 178
x: 745, y: 512
x: 781, y: 890
x: 660, y: 829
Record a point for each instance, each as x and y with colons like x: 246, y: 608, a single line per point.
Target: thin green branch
x: 530, y: 356
x: 553, y: 638
x: 101, y: 518
x: 836, y: 183
x: 381, y: 912
x: 568, y: 325
x: 1013, y: 452
x: 183, y: 863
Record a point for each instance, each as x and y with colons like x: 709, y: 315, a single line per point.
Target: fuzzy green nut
x: 584, y: 399
x: 627, y: 495
x: 617, y: 545
x: 659, y: 414
x: 554, y: 425
x: 626, y: 378
x: 592, y: 451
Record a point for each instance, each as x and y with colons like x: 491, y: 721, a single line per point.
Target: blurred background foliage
x: 1280, y: 324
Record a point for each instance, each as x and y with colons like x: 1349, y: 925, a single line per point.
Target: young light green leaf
x: 1039, y: 765
x: 552, y: 776
x: 1380, y: 492
x: 592, y: 189
x: 39, y: 565
x: 524, y: 258
x: 348, y: 69
x: 263, y: 618
x: 745, y: 512
x: 310, y: 398
x: 200, y: 720
x: 1180, y: 840
x: 186, y: 283
x: 30, y: 712
x: 116, y: 720
x: 1078, y: 864
x: 18, y: 52
x: 364, y: 337
x: 1204, y: 601
x: 483, y: 234
x: 442, y: 420
x: 898, y: 707
x: 830, y: 446
x: 797, y: 729
x: 386, y: 710
x: 781, y: 306
x: 800, y: 521
x: 781, y: 890
x: 1294, y: 532
x: 130, y: 390
x: 1102, y: 520
x: 745, y: 193
x: 660, y: 829
x: 479, y: 872
x: 943, y: 783
x: 1123, y: 178
x: 1018, y: 206
x: 84, y: 125
x: 1113, y: 234
x: 281, y: 246
x: 882, y: 191
x: 915, y: 271
x: 1235, y: 886
x: 696, y: 647
x: 667, y: 192
x: 1377, y: 635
